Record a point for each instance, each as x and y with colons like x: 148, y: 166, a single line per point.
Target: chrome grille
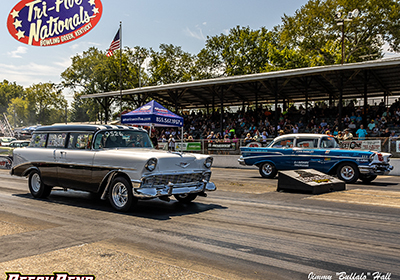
x: 176, y: 179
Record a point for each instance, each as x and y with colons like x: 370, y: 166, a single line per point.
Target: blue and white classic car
x: 316, y: 151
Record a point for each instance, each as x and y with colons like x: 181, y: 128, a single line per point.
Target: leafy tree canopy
x: 313, y: 30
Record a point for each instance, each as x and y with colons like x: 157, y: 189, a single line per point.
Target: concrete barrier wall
x: 231, y: 161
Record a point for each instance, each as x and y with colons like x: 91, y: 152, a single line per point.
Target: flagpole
x: 120, y: 69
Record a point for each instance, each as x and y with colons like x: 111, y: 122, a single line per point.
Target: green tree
x: 313, y: 30
x: 46, y: 102
x: 94, y: 72
x: 8, y: 91
x: 242, y: 51
x: 170, y: 65
x: 17, y: 112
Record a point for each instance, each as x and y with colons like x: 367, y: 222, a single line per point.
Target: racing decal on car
x: 302, y: 164
x: 55, y: 276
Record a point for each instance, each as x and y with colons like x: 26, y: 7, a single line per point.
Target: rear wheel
x: 348, y: 172
x: 36, y: 186
x: 267, y: 170
x: 120, y: 195
x: 366, y: 179
x: 185, y: 198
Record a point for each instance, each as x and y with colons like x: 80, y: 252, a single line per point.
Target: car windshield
x: 122, y: 139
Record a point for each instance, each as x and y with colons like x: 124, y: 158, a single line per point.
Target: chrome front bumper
x: 241, y: 160
x: 375, y: 169
x: 172, y: 189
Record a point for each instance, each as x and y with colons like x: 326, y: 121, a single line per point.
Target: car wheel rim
x: 120, y: 194
x: 267, y: 169
x: 347, y: 172
x: 35, y: 182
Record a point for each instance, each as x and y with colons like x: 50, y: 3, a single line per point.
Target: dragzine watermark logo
x: 351, y: 276
x: 52, y: 22
x: 55, y: 276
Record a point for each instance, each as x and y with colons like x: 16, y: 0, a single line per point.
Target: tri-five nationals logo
x: 55, y: 276
x: 52, y: 22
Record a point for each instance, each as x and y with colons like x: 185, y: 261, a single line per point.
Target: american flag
x: 115, y: 44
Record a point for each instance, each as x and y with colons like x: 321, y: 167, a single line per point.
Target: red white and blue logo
x: 53, y: 22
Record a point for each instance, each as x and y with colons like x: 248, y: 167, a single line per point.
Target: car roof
x: 82, y: 128
x: 299, y: 135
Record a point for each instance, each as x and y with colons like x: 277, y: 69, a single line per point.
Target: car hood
x: 136, y: 158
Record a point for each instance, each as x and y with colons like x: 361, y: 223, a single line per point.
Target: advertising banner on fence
x: 221, y: 146
x: 187, y: 146
x: 373, y: 145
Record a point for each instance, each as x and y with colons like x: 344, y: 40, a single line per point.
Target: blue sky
x: 184, y: 23
x: 148, y: 24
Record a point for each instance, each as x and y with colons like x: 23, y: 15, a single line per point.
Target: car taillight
x: 380, y: 157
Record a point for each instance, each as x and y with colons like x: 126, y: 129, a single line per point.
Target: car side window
x: 56, y: 140
x: 328, y: 143
x: 80, y: 141
x: 308, y: 143
x: 24, y: 144
x: 38, y: 140
x: 284, y: 143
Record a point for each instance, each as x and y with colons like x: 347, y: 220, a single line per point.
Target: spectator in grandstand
x: 248, y: 139
x: 295, y: 129
x: 361, y: 133
x: 387, y: 114
x: 347, y: 134
x: 371, y: 125
x: 339, y: 136
x: 352, y: 126
x: 257, y: 136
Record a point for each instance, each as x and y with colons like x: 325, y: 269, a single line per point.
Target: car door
x: 305, y: 154
x: 75, y: 162
x: 283, y: 150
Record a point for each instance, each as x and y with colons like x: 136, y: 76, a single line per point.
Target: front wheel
x: 36, y: 186
x: 186, y: 198
x: 268, y: 170
x: 366, y: 179
x: 348, y: 172
x: 120, y: 195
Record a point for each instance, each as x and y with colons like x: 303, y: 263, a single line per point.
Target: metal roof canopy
x: 333, y: 82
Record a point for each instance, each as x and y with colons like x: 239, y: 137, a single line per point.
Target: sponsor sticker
x: 48, y: 23
x: 301, y: 163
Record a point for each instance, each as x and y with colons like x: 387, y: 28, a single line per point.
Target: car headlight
x: 208, y: 162
x: 151, y: 164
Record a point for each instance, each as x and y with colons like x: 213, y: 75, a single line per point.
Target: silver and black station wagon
x: 118, y: 162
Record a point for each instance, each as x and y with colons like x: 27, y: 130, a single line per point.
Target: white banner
x: 373, y: 145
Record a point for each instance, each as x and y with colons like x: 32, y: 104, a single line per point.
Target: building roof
x: 320, y: 83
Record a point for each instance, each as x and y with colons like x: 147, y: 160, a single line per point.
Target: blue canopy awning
x: 152, y: 114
